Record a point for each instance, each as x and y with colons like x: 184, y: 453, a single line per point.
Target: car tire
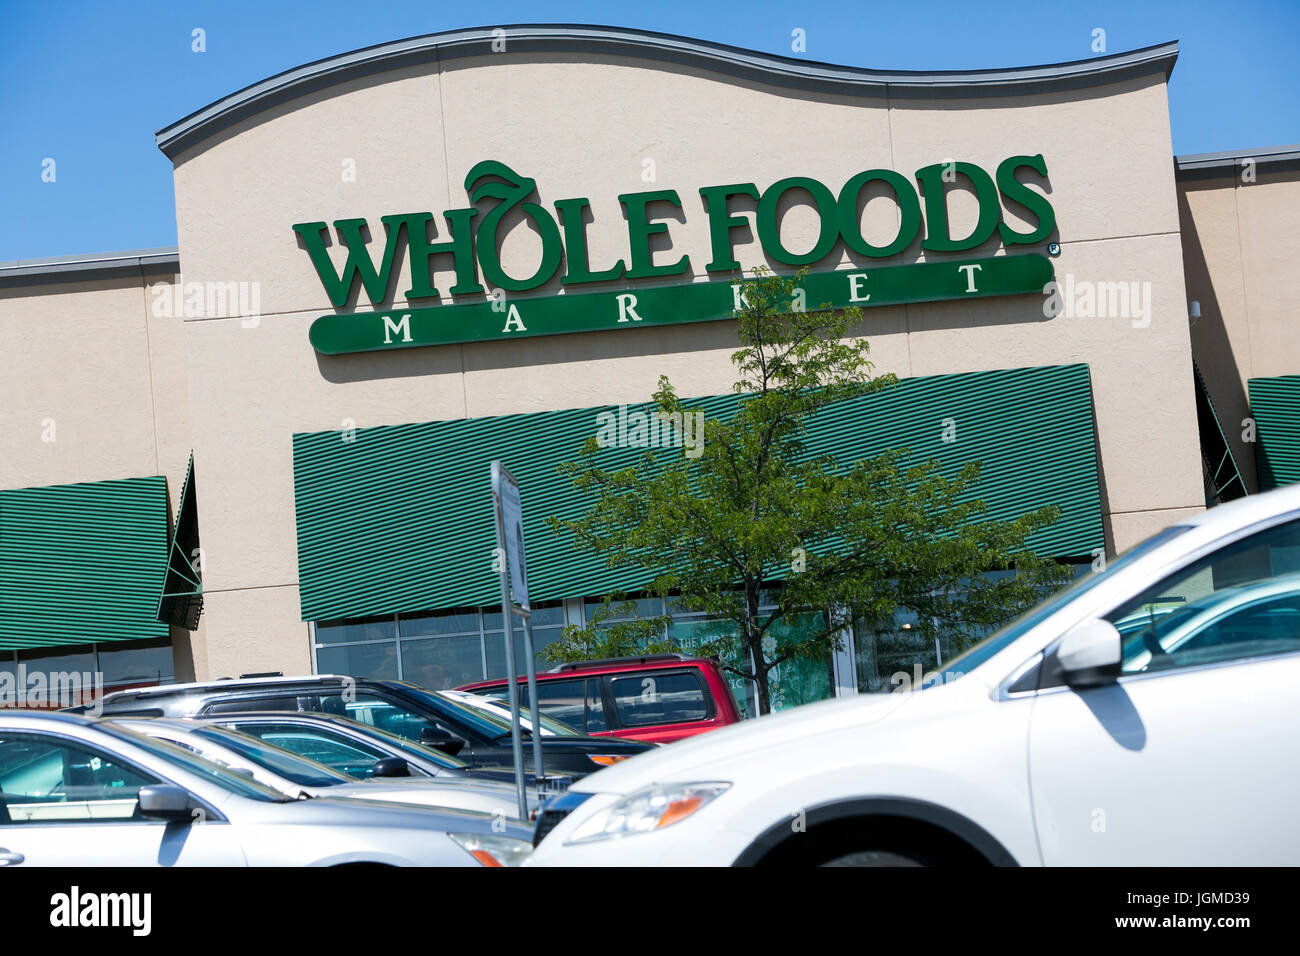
x: 873, y: 858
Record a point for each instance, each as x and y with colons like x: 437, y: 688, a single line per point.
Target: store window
x: 437, y: 649
x: 83, y: 670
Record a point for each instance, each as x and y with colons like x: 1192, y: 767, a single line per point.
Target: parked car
x: 294, y: 775
x: 500, y: 708
x: 658, y: 698
x: 81, y: 792
x: 356, y: 749
x: 424, y: 716
x: 1052, y: 742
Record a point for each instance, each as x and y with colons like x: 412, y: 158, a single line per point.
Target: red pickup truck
x: 658, y: 698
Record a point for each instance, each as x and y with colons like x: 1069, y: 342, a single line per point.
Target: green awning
x: 399, y: 518
x: 181, y: 602
x: 1275, y: 406
x: 81, y: 563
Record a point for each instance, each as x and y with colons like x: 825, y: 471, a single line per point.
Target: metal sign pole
x: 531, y: 656
x: 508, y: 629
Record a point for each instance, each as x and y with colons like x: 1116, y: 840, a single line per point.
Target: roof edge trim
x: 82, y: 268
x: 805, y: 75
x: 1195, y: 165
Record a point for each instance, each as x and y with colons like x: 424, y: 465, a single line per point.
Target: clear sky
x: 88, y: 84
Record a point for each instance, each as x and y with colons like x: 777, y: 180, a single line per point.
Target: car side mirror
x: 1090, y: 654
x: 441, y: 740
x: 165, y: 801
x: 391, y: 767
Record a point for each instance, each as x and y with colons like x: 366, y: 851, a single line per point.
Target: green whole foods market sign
x: 471, y: 250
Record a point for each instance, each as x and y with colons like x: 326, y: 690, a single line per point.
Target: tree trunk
x: 760, y: 674
x: 754, y: 638
x: 764, y: 695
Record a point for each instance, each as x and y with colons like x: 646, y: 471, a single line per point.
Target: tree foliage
x: 759, y: 530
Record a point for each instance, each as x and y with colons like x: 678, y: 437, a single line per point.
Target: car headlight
x: 491, y: 849
x: 650, y: 809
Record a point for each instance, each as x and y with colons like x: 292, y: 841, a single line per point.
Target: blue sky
x: 88, y: 84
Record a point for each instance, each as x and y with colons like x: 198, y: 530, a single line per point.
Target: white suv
x: 1145, y: 715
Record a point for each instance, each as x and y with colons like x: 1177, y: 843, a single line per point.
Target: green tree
x: 756, y: 530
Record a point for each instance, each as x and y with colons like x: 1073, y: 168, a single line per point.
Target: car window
x: 595, y: 707
x: 292, y: 766
x: 356, y: 760
x: 48, y: 780
x: 658, y: 698
x: 576, y: 703
x: 239, y: 705
x: 565, y: 700
x: 407, y: 748
x: 375, y: 711
x: 1241, y: 602
x: 499, y: 708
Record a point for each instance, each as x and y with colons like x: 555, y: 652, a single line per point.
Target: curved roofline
x: 789, y: 72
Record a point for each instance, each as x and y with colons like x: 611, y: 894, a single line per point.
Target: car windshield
x: 501, y: 707
x: 299, y: 770
x: 214, y: 773
x: 1002, y: 639
x: 484, y: 720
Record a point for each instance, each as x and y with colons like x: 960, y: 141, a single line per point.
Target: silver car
x: 295, y: 775
x: 80, y: 792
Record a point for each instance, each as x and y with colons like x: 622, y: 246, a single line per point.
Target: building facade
x: 397, y: 265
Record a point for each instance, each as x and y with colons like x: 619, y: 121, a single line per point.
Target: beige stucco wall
x: 587, y: 129
x: 1239, y: 237
x: 95, y: 387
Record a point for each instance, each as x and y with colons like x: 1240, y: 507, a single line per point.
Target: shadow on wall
x: 1211, y: 345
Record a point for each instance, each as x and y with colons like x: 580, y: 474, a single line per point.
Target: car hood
x: 698, y: 757
x: 585, y: 744
x: 428, y: 792
x: 346, y: 811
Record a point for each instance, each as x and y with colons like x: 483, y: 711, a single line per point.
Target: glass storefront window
x: 81, y: 660
x: 496, y: 649
x: 436, y: 649
x: 650, y: 607
x: 136, y: 662
x: 544, y: 615
x: 346, y: 632
x: 442, y: 662
x: 439, y: 622
x: 377, y: 660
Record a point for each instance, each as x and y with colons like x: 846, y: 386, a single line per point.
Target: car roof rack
x: 166, y: 690
x: 608, y: 661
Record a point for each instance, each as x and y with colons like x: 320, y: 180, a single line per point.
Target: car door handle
x: 10, y: 858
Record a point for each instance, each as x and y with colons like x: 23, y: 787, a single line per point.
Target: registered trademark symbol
x: 1053, y: 249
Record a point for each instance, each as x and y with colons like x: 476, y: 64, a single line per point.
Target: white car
x: 1054, y: 742
x: 295, y: 776
x: 78, y: 792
